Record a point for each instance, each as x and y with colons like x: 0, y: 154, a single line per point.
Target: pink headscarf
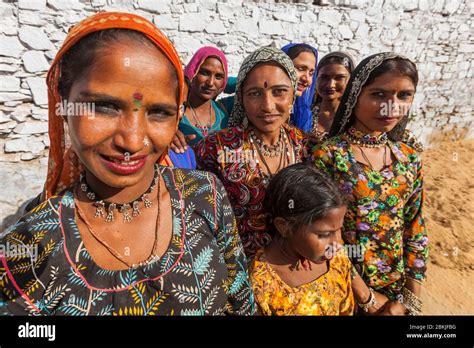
x: 200, y: 56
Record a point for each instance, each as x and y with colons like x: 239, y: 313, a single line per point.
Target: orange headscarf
x: 64, y: 166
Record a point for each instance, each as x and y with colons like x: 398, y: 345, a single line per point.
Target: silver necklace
x: 102, y: 206
x: 268, y: 150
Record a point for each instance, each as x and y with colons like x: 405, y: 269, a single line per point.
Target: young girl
x: 382, y: 179
x: 301, y: 272
x: 333, y: 73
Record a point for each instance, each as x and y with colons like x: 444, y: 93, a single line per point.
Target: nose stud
x: 146, y: 142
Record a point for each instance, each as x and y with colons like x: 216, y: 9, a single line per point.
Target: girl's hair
x: 300, y: 194
x: 81, y: 56
x: 331, y: 60
x: 335, y: 60
x: 296, y: 50
x: 403, y: 66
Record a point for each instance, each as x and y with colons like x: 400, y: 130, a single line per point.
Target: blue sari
x: 185, y: 160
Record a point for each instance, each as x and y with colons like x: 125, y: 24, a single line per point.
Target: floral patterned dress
x: 229, y: 155
x: 384, y: 214
x: 203, y: 271
x: 329, y: 294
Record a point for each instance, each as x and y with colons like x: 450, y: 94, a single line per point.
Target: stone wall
x: 436, y: 34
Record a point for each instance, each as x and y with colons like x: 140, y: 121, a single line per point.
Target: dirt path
x: 449, y: 215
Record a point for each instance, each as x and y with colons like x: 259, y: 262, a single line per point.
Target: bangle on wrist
x: 370, y: 302
x: 412, y: 303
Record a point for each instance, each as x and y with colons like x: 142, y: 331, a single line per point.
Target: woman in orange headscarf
x: 117, y: 233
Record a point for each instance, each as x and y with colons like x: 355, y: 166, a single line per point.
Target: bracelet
x: 370, y: 303
x: 412, y: 303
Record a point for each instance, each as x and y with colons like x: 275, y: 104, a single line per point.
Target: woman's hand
x: 393, y: 308
x: 362, y: 295
x: 377, y: 309
x: 180, y: 141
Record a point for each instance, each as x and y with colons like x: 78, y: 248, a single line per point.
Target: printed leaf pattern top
x: 203, y: 272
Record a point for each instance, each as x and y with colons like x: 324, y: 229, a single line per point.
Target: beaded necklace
x: 366, y: 140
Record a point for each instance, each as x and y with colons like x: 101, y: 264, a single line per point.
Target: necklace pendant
x: 136, y: 210
x: 84, y: 187
x: 124, y: 211
x: 110, y: 215
x: 146, y: 200
x: 99, y: 209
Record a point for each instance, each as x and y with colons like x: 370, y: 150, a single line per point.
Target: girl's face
x: 383, y: 103
x: 304, y: 64
x: 312, y: 241
x: 133, y: 89
x: 332, y: 81
x: 209, y: 80
x: 267, y: 96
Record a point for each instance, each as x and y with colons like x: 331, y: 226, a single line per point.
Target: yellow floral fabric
x: 330, y: 294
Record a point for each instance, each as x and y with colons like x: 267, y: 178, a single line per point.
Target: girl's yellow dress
x: 330, y: 294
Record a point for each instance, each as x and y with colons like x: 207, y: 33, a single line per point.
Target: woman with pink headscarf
x: 207, y: 76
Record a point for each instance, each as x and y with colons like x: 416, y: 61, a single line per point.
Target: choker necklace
x: 152, y: 258
x: 366, y: 140
x: 268, y: 150
x: 102, y: 205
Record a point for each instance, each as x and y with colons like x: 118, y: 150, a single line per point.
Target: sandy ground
x: 449, y: 215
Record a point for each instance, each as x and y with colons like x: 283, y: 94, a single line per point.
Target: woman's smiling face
x: 267, y: 96
x: 134, y: 91
x: 304, y: 64
x: 384, y: 103
x: 209, y: 80
x: 332, y: 80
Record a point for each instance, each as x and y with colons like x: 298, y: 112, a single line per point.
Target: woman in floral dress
x: 382, y: 179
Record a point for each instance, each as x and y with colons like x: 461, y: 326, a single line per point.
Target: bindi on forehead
x: 265, y: 84
x: 137, y: 100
